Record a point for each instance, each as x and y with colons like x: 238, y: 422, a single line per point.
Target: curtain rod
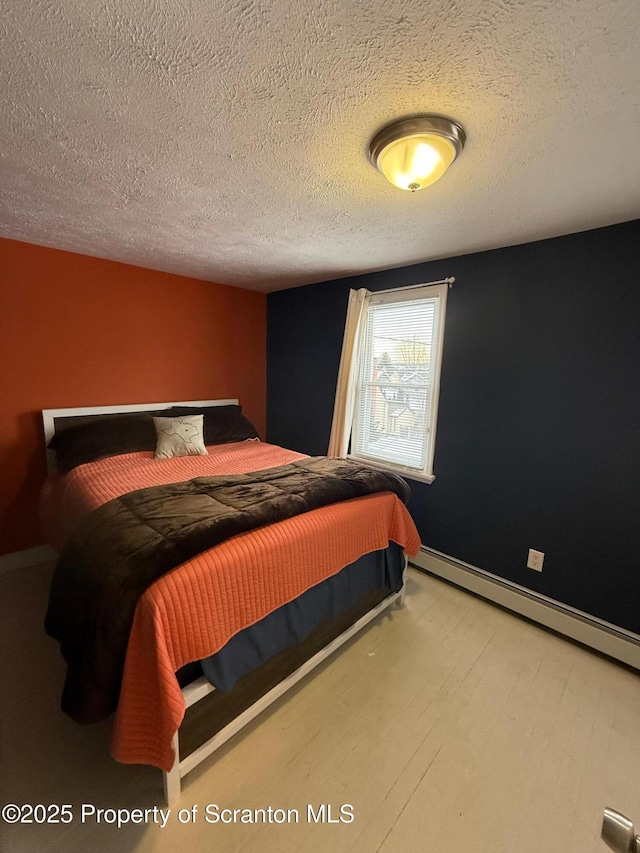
x: 448, y: 281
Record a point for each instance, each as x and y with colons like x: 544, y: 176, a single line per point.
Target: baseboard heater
x: 609, y: 639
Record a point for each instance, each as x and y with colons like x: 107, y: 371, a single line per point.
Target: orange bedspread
x: 66, y: 500
x: 191, y: 612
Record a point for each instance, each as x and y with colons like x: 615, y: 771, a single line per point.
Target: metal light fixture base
x: 438, y: 125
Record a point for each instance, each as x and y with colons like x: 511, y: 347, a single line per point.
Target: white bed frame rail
x: 200, y: 688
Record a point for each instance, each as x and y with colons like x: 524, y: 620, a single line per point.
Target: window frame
x: 396, y: 296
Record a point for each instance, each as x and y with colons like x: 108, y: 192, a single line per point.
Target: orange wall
x: 80, y: 331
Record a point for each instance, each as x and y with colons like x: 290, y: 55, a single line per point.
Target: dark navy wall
x: 538, y: 440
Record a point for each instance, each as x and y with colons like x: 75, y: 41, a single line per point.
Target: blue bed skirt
x: 294, y: 622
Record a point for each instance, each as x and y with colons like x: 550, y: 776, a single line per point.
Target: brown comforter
x: 123, y: 546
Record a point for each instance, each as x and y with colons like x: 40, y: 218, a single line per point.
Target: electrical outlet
x: 535, y: 560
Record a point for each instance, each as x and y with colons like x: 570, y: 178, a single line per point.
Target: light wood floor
x: 449, y: 725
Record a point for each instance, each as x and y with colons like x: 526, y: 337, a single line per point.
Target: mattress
x: 193, y: 611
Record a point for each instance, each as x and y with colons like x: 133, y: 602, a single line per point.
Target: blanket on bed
x: 126, y: 544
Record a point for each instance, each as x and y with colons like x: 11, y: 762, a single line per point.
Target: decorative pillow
x: 222, y: 424
x: 180, y: 436
x: 97, y: 439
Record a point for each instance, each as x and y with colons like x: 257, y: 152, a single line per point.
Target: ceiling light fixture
x: 415, y: 152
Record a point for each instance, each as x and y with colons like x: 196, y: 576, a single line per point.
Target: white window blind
x: 397, y: 390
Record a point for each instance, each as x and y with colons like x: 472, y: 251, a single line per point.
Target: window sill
x: 406, y: 473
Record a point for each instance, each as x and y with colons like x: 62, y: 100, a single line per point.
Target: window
x: 398, y: 377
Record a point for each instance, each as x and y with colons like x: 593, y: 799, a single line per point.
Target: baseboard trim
x: 25, y: 559
x: 609, y: 639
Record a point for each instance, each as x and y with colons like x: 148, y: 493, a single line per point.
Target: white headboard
x: 49, y: 415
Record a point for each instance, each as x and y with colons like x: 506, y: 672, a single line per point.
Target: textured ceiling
x: 227, y: 140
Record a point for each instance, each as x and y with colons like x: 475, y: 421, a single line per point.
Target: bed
x: 230, y: 625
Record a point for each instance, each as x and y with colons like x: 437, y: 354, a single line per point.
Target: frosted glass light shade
x: 414, y: 153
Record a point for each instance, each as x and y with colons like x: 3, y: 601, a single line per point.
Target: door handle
x: 618, y: 832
